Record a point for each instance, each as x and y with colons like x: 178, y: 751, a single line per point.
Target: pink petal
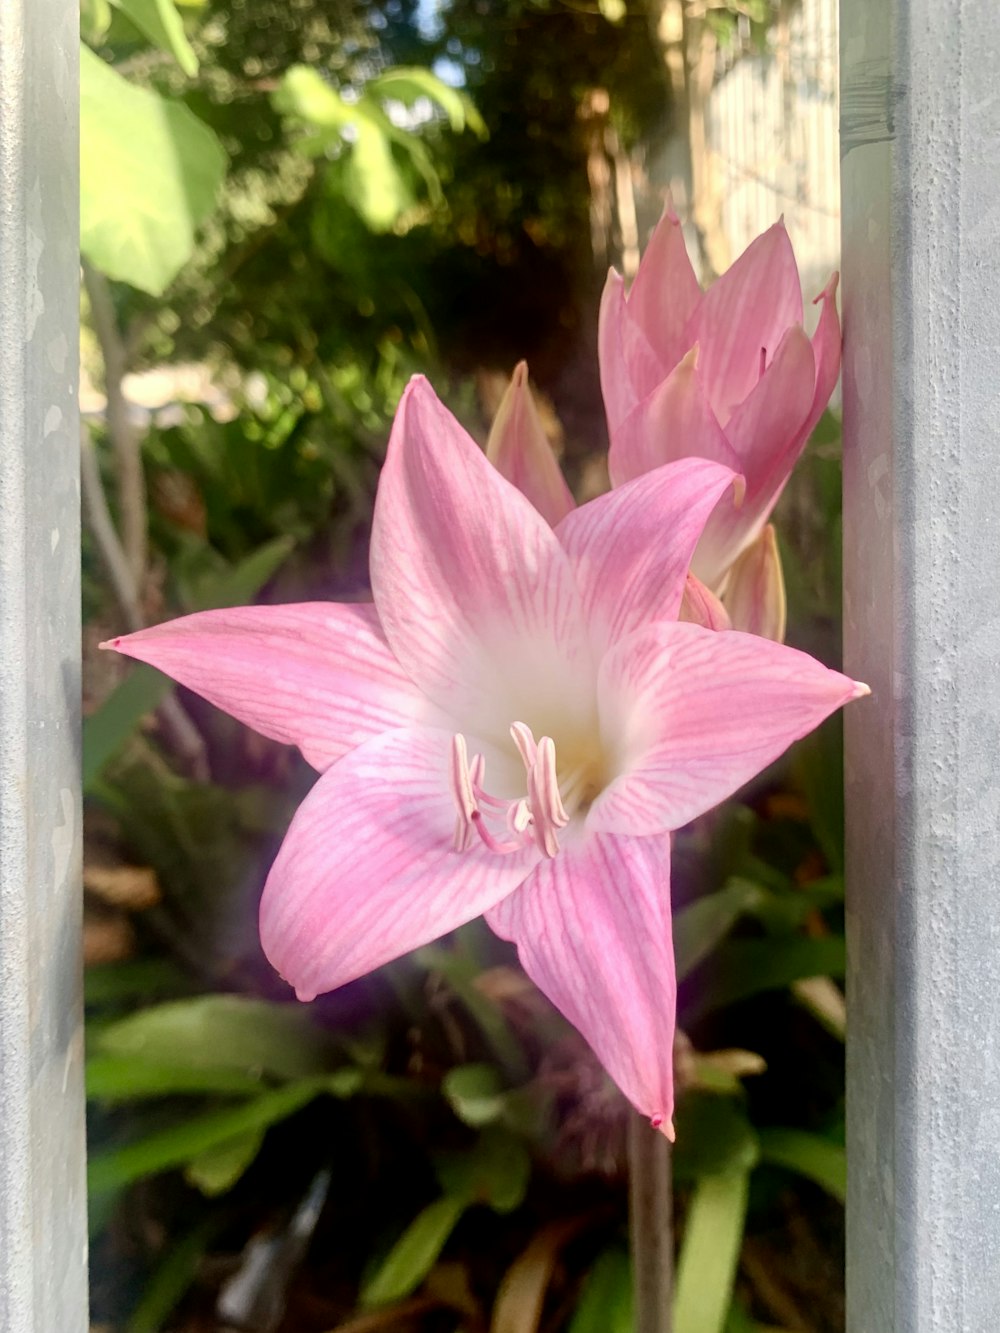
x: 700, y: 606
x: 767, y: 432
x: 474, y: 592
x: 520, y: 451
x: 745, y: 311
x: 314, y: 674
x: 630, y: 549
x: 755, y: 589
x: 367, y: 870
x: 592, y: 929
x: 826, y: 345
x: 692, y: 715
x: 630, y: 369
x: 665, y: 293
x: 674, y: 421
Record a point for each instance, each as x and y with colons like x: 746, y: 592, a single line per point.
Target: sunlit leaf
x: 150, y: 171
x: 159, y: 21
x: 124, y: 1078
x: 408, y: 83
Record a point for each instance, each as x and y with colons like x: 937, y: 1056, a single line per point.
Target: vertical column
x: 920, y: 146
x: 42, y: 1204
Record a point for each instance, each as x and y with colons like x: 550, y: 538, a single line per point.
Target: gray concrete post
x: 920, y: 146
x: 43, y: 1251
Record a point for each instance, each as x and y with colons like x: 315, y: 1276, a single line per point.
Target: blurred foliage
x: 316, y: 198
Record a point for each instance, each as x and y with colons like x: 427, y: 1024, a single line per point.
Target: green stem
x: 651, y: 1229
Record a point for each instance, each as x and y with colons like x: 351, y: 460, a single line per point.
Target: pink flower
x: 727, y: 374
x: 513, y: 726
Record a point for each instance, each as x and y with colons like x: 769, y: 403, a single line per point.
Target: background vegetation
x: 289, y: 206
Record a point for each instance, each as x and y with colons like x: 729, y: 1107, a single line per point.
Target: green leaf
x: 218, y: 1169
x: 159, y: 21
x: 124, y: 1078
x: 223, y: 1032
x: 107, y: 729
x: 414, y: 1254
x: 408, y: 83
x: 741, y: 968
x: 475, y: 1093
x: 150, y: 171
x: 699, y: 927
x: 714, y: 1137
x: 706, y: 1268
x: 187, y: 1139
x: 95, y: 20
x: 173, y: 1275
x: 606, y: 1301
x: 810, y: 1155
x: 142, y: 978
x: 460, y: 974
x: 303, y: 92
x: 238, y: 584
x: 495, y: 1172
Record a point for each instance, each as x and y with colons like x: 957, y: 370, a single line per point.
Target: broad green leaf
x: 107, y: 729
x: 706, y: 1268
x: 150, y: 171
x: 123, y: 1078
x: 475, y: 1093
x: 714, y: 1136
x: 217, y: 1170
x: 810, y: 1155
x: 699, y: 927
x: 741, y: 968
x: 414, y: 1254
x: 159, y: 21
x: 186, y: 1140
x: 495, y: 1172
x: 606, y: 1301
x: 230, y: 1032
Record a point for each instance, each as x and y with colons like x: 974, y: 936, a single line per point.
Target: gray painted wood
x: 43, y: 1251
x: 921, y: 301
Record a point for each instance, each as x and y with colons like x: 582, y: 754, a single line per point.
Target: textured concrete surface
x: 920, y: 149
x: 42, y: 1209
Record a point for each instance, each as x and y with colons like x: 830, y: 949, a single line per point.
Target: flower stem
x: 651, y: 1229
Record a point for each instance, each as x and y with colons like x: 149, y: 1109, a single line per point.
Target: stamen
x: 536, y: 817
x: 524, y: 739
x: 463, y: 792
x: 494, y: 844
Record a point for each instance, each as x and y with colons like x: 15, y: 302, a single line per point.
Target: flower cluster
x: 539, y: 693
